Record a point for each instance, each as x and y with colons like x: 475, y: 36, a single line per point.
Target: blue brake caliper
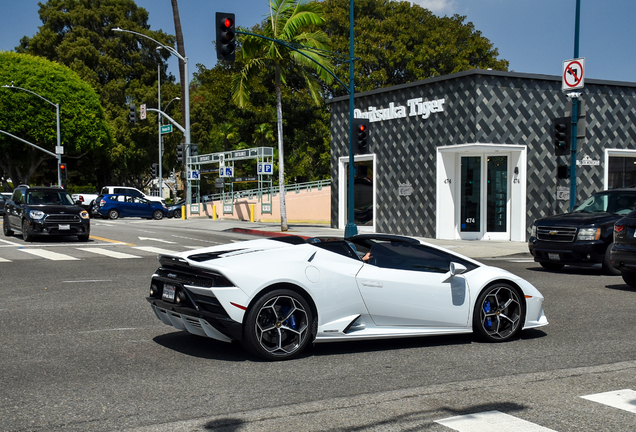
x: 291, y: 321
x: 488, y: 320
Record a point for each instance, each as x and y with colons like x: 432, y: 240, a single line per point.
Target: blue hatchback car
x: 116, y: 206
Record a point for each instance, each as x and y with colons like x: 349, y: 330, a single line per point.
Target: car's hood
x: 56, y: 209
x: 578, y: 219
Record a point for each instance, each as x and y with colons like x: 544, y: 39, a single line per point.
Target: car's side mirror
x: 454, y: 270
x: 78, y: 203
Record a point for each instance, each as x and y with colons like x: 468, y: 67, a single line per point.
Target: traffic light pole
x: 575, y: 113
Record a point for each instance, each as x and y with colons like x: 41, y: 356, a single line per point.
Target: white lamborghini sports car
x: 278, y: 295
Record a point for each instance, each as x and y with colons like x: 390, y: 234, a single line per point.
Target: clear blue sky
x: 535, y: 36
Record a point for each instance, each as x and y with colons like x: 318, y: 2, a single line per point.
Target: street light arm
x: 169, y: 48
x: 170, y: 119
x: 32, y: 92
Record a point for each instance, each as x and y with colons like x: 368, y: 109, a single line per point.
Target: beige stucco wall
x: 302, y: 207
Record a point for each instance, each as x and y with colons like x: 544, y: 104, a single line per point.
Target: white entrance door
x: 484, y: 197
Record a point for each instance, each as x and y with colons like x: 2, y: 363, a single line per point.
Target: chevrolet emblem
x: 554, y: 232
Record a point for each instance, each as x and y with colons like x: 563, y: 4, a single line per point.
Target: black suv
x: 584, y: 237
x: 47, y: 211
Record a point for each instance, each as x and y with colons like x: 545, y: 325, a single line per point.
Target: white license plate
x: 168, y: 292
x: 554, y: 257
x: 64, y: 227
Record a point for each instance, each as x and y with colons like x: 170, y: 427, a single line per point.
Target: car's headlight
x: 84, y: 214
x: 589, y: 234
x: 36, y: 214
x: 533, y: 232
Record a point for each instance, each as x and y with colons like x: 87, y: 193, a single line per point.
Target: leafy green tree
x: 294, y: 22
x: 121, y: 67
x: 84, y: 128
x: 397, y: 43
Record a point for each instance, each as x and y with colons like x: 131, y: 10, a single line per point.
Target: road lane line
x: 53, y: 256
x: 110, y: 240
x: 4, y: 260
x: 621, y: 399
x: 491, y: 421
x: 109, y: 253
x: 155, y: 250
x: 10, y: 242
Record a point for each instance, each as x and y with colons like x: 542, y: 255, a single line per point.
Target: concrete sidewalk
x: 470, y: 248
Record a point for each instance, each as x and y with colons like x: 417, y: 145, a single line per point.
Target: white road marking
x: 155, y: 250
x: 4, y: 260
x: 157, y: 240
x: 54, y: 256
x: 109, y: 253
x: 10, y: 242
x: 491, y: 421
x: 621, y: 399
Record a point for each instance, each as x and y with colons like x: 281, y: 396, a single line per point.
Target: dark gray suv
x: 44, y: 211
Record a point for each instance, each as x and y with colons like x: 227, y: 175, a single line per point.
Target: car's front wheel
x: 6, y: 230
x: 113, y: 214
x: 499, y: 313
x: 83, y: 238
x: 629, y: 278
x: 551, y: 266
x: 177, y: 214
x: 27, y: 235
x: 279, y: 325
x: 157, y: 215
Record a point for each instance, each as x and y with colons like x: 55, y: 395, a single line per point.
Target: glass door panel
x: 362, y: 193
x: 470, y: 212
x: 497, y: 194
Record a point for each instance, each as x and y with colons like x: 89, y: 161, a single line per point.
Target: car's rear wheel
x: 157, y: 215
x: 113, y: 214
x: 279, y: 325
x: 27, y: 235
x: 629, y: 277
x: 5, y: 227
x: 177, y: 214
x: 551, y: 266
x: 608, y: 268
x: 499, y: 313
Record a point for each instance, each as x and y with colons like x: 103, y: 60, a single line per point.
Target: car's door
x: 16, y: 209
x: 142, y: 207
x: 407, y: 286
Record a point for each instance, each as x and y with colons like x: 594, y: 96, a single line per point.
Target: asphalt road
x: 82, y: 351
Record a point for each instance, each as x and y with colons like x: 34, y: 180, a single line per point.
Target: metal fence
x: 253, y: 193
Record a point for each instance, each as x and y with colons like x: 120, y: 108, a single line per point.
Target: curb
x: 265, y: 233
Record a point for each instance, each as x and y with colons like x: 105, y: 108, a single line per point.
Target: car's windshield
x: 618, y: 203
x: 49, y: 198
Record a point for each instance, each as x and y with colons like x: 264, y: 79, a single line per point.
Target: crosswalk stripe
x: 490, y: 421
x: 109, y: 253
x: 4, y: 260
x: 621, y: 399
x: 54, y: 256
x: 155, y: 250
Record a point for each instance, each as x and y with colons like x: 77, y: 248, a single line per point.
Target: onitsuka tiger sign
x: 414, y: 107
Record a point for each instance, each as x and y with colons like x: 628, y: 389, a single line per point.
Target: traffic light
x: 132, y: 113
x: 63, y: 173
x: 562, y: 136
x: 154, y: 170
x: 361, y: 134
x: 194, y: 150
x: 563, y: 172
x: 225, y: 36
x: 180, y: 154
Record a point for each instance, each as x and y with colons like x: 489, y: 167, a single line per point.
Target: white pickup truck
x: 86, y: 200
x: 125, y: 190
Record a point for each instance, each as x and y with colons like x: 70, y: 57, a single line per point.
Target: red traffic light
x: 362, y: 128
x: 227, y: 23
x: 62, y: 166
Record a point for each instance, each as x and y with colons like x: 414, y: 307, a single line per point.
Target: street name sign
x: 166, y: 129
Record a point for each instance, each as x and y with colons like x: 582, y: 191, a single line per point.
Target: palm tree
x: 293, y: 22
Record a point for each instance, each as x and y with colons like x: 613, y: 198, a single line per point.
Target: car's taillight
x: 102, y: 202
x: 619, y: 228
